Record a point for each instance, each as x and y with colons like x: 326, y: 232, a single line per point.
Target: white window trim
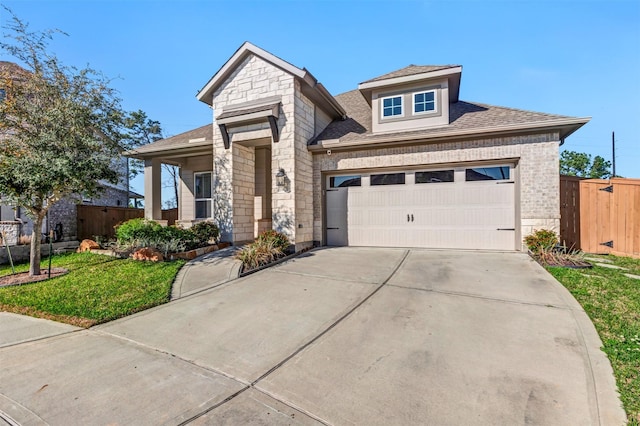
x: 435, y: 102
x: 195, y: 199
x: 382, y: 116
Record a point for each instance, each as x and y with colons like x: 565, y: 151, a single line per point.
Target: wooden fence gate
x: 99, y: 221
x: 600, y: 215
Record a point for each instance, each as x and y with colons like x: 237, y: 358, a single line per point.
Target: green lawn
x: 613, y: 303
x: 97, y: 289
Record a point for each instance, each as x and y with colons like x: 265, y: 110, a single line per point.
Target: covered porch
x: 206, y: 180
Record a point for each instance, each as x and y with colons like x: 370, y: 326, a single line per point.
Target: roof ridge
x: 517, y: 109
x: 410, y: 69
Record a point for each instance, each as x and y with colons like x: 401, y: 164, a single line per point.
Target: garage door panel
x: 471, y: 215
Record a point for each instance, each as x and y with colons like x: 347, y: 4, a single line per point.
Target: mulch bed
x: 24, y: 278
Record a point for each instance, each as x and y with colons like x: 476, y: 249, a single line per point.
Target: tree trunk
x: 36, y: 237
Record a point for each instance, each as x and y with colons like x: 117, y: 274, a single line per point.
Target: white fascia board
x: 409, y: 78
x: 247, y: 48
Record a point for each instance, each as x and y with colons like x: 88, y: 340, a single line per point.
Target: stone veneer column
x: 253, y: 79
x: 243, y: 176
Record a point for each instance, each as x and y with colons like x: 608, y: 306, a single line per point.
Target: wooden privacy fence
x: 600, y: 215
x: 99, y: 221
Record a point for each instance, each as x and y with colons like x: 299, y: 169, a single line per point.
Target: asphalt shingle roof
x: 205, y: 131
x: 462, y: 116
x: 410, y: 70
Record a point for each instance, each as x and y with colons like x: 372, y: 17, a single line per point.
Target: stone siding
x: 244, y: 165
x: 253, y: 79
x: 305, y: 120
x: 9, y: 233
x: 536, y: 158
x: 65, y: 212
x: 110, y: 197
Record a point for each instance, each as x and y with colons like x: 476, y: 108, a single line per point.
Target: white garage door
x: 466, y: 207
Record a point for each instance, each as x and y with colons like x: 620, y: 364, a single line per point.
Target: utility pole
x: 613, y: 147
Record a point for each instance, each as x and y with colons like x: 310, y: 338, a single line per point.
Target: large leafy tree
x: 60, y: 128
x: 580, y: 164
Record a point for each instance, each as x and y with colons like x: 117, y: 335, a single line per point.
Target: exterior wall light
x: 281, y: 177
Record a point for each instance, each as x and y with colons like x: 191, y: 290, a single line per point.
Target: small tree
x: 574, y: 163
x: 139, y: 130
x: 60, y: 128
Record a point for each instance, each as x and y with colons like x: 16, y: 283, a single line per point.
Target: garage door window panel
x: 388, y: 179
x: 438, y: 176
x: 344, y: 181
x: 476, y: 174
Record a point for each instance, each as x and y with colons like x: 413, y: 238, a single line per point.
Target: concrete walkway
x: 206, y: 271
x: 334, y: 336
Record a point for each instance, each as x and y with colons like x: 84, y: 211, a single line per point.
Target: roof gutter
x: 337, y: 145
x: 167, y: 150
x: 324, y: 93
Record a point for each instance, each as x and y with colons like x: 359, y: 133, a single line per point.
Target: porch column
x: 152, y: 189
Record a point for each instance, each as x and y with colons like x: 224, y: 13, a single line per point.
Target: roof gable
x: 310, y: 86
x: 236, y: 59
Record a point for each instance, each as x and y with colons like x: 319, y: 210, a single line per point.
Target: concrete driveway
x: 335, y: 336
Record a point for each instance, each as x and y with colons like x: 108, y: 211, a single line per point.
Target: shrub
x: 136, y: 229
x: 268, y: 247
x: 140, y: 232
x: 204, y: 232
x: 541, y: 240
x: 274, y: 238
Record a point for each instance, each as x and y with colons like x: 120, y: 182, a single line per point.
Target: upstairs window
x: 392, y: 107
x: 424, y: 102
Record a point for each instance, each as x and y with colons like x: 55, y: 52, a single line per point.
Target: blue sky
x: 576, y: 58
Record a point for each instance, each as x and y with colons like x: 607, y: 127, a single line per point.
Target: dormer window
x: 392, y: 107
x: 424, y: 102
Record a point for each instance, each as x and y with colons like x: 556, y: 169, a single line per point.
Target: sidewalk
x: 206, y: 271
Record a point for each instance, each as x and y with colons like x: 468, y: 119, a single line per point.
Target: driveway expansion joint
x: 336, y: 322
x: 37, y: 339
x: 213, y: 407
x: 188, y: 361
x: 303, y: 347
x: 293, y: 406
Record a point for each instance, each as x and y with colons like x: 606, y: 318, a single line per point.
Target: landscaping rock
x: 88, y: 245
x: 148, y: 254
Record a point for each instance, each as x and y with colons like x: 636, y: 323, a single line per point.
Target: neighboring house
x: 399, y: 161
x: 62, y: 215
